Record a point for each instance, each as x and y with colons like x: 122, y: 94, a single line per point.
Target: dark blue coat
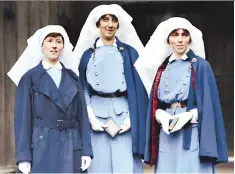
x: 51, y: 145
x: 212, y: 138
x: 137, y: 96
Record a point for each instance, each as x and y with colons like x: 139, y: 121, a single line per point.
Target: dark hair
x: 103, y: 16
x: 54, y: 35
x: 175, y: 30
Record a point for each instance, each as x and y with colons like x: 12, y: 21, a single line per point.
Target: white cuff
x: 195, y: 116
x: 90, y: 112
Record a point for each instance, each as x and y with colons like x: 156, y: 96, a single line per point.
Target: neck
x: 52, y: 62
x: 107, y: 41
x: 178, y: 56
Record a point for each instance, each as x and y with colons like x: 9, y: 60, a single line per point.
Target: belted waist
x: 110, y: 95
x: 57, y: 124
x: 174, y: 105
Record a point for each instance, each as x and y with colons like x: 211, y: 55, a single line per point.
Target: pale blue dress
x: 173, y: 158
x: 105, y: 73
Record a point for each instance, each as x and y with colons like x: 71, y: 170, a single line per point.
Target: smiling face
x: 179, y: 40
x: 108, y: 25
x: 52, y: 47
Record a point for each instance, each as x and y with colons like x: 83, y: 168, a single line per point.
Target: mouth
x: 109, y: 31
x: 180, y: 46
x: 54, y: 52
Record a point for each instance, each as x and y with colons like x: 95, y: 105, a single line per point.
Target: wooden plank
x: 22, y: 13
x: 44, y: 9
x: 53, y: 15
x: 2, y: 89
x: 34, y: 16
x: 9, y: 93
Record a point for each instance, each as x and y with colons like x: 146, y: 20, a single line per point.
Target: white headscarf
x: 157, y: 49
x: 33, y: 54
x: 126, y: 32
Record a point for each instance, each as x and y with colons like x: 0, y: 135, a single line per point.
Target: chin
x: 109, y: 37
x: 54, y: 58
x: 181, y: 51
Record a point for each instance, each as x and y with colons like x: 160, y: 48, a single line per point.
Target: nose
x: 180, y: 39
x: 54, y: 44
x: 110, y: 24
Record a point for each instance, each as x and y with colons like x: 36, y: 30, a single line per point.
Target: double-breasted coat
x: 51, y: 125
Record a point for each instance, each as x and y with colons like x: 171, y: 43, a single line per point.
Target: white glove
x: 96, y: 125
x: 183, y: 119
x: 195, y: 115
x: 126, y: 124
x: 163, y: 118
x: 25, y: 167
x: 86, y: 162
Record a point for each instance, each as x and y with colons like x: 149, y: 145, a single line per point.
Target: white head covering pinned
x: 126, y: 32
x: 32, y: 55
x: 157, y: 49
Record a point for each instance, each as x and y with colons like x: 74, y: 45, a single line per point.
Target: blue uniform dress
x: 173, y: 158
x: 105, y: 73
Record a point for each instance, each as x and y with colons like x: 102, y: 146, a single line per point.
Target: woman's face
x: 179, y: 40
x: 108, y: 26
x: 52, y: 47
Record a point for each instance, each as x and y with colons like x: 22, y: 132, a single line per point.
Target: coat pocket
x: 39, y: 145
x: 120, y: 105
x: 76, y: 139
x: 100, y: 106
x: 38, y: 138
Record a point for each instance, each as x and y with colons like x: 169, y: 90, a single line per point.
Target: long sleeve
x: 84, y: 126
x: 86, y: 93
x: 22, y: 120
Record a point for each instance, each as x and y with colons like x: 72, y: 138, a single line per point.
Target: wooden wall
x: 19, y: 20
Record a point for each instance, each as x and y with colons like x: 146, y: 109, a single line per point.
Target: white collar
x: 46, y: 65
x: 173, y: 56
x: 99, y: 43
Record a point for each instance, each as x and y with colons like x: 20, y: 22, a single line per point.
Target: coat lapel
x: 191, y: 99
x: 63, y: 96
x: 45, y: 85
x: 68, y: 88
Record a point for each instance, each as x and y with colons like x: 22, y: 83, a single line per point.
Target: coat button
x: 97, y: 83
x: 96, y: 74
x: 36, y: 95
x: 194, y: 60
x: 166, y: 84
x: 166, y: 77
x: 38, y: 117
x: 95, y: 64
x: 187, y: 75
x: 41, y: 138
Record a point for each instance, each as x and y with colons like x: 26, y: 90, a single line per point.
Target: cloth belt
x: 174, y: 105
x: 58, y: 124
x: 110, y: 95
